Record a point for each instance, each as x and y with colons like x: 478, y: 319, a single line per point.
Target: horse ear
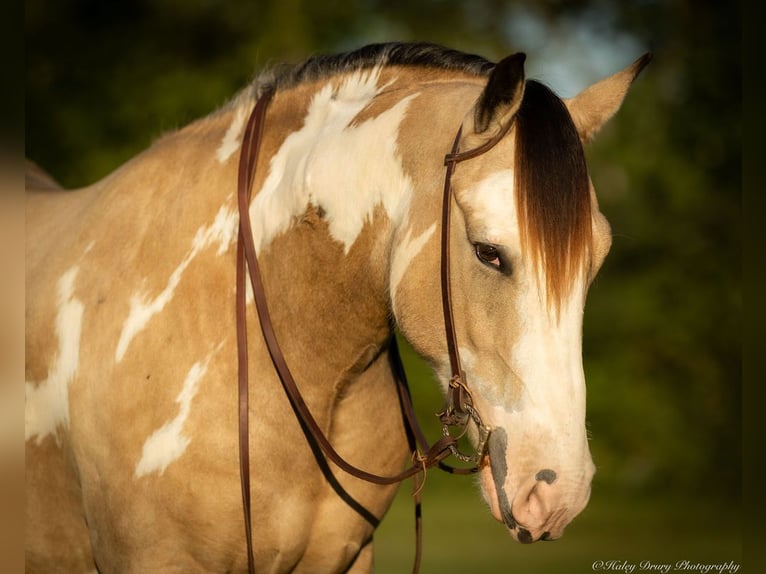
x: 595, y: 105
x: 501, y: 97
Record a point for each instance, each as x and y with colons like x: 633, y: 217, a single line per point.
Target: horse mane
x: 419, y: 54
x: 552, y: 185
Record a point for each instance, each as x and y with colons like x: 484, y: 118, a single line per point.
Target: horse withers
x: 131, y: 394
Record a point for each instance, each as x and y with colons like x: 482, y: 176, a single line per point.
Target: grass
x: 460, y: 535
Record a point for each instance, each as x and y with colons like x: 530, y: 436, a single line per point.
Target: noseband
x: 459, y: 408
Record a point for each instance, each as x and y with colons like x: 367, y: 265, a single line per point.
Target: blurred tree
x: 670, y: 184
x: 662, y: 329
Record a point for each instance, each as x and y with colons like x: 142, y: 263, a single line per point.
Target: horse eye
x: 488, y: 254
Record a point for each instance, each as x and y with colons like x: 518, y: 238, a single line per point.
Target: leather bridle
x: 459, y: 407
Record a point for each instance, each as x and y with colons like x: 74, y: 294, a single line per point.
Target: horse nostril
x: 546, y: 536
x: 546, y: 475
x: 525, y: 537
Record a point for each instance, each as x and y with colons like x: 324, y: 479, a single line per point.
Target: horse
x: 131, y: 421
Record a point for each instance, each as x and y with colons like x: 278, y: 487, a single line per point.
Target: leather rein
x: 459, y: 406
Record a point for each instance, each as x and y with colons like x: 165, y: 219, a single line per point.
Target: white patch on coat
x: 548, y: 354
x: 142, y: 308
x: 47, y: 404
x: 404, y: 253
x: 347, y: 170
x: 168, y: 443
x: 492, y: 204
x: 231, y: 139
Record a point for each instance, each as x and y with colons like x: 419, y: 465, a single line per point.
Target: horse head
x: 527, y: 239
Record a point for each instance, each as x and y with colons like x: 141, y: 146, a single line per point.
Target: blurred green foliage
x: 662, y: 331
x: 460, y: 536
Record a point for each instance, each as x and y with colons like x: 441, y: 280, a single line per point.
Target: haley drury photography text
x: 729, y: 567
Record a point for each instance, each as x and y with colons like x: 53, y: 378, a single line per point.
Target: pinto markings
x: 404, y: 253
x: 304, y: 172
x: 548, y: 353
x: 47, y: 404
x: 231, y: 139
x: 492, y: 206
x: 142, y: 308
x: 168, y: 442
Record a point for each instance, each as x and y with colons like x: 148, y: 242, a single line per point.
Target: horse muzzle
x: 536, y: 504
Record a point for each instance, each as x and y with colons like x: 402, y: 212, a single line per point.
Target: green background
x: 662, y: 329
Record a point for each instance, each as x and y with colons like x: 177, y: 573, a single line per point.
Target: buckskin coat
x: 131, y: 401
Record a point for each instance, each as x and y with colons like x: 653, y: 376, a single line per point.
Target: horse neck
x: 323, y: 215
x: 342, y: 204
x: 328, y: 306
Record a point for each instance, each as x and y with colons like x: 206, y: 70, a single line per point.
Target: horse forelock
x: 552, y: 191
